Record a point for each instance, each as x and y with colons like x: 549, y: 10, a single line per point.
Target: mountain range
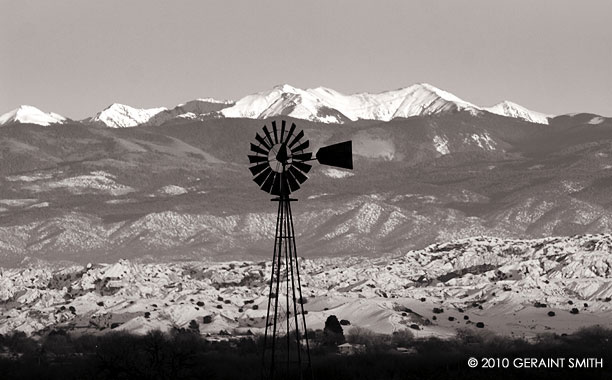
x: 182, y: 190
x: 318, y: 105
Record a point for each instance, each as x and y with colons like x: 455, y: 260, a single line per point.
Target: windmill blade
x: 267, y: 133
x: 339, y: 155
x: 262, y: 141
x: 299, y: 176
x: 267, y: 185
x: 302, y: 157
x: 293, y: 183
x: 258, y: 168
x: 275, y: 132
x: 258, y: 149
x: 296, y: 139
x: 302, y: 166
x: 300, y: 147
x: 282, y: 139
x: 262, y: 176
x: 254, y: 159
x: 290, y: 133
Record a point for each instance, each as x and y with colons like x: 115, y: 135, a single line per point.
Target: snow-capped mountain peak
x: 425, y: 99
x: 510, y: 109
x: 121, y: 116
x: 326, y: 105
x: 30, y: 115
x: 287, y: 88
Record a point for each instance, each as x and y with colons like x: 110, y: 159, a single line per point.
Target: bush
x: 194, y: 326
x: 402, y: 338
x: 333, y: 331
x: 373, y: 342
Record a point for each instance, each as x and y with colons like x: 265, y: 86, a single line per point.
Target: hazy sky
x: 77, y: 57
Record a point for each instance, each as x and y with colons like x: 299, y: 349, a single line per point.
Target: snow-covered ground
x: 514, y: 287
x: 96, y: 181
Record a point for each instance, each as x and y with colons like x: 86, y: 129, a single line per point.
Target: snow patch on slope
x: 441, y: 145
x: 596, y: 120
x: 190, y: 110
x: 336, y: 173
x: 87, y: 183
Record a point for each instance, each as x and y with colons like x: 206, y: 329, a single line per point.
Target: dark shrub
x: 574, y: 311
x: 194, y: 326
x: 333, y: 331
x: 438, y: 310
x: 207, y: 319
x: 345, y: 322
x: 480, y: 325
x: 551, y: 313
x: 402, y: 338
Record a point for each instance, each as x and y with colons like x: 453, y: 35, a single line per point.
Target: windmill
x: 280, y: 164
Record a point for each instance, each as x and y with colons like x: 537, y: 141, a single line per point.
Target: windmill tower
x: 280, y: 164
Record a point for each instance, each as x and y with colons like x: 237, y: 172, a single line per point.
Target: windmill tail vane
x: 280, y: 165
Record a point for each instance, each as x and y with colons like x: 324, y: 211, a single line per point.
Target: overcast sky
x: 77, y: 57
